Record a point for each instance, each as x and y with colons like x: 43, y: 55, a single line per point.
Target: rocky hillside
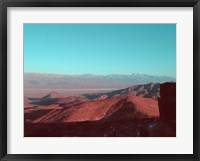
x: 126, y: 114
x: 150, y: 90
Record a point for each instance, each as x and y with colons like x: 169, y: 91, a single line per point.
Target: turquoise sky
x: 100, y: 48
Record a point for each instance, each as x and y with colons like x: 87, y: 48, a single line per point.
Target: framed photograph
x: 101, y: 79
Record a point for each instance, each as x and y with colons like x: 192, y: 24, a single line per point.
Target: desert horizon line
x: 128, y: 74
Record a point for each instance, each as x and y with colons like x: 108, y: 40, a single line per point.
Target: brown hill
x: 52, y: 95
x: 150, y: 90
x: 128, y: 106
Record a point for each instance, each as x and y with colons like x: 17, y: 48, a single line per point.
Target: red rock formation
x: 167, y: 102
x: 166, y: 125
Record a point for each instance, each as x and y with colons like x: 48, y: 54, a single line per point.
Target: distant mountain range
x: 88, y: 81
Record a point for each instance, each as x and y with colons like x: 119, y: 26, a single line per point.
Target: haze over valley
x: 39, y: 84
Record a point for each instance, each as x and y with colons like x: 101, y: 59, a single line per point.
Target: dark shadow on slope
x: 46, y: 101
x: 33, y: 115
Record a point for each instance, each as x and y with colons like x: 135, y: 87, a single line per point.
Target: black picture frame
x: 4, y: 4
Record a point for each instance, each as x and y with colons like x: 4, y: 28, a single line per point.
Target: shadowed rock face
x: 167, y: 102
x: 167, y: 107
x: 166, y: 125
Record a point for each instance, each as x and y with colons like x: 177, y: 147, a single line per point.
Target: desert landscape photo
x: 99, y: 80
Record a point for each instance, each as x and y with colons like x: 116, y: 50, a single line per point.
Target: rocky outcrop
x: 167, y: 103
x: 166, y: 125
